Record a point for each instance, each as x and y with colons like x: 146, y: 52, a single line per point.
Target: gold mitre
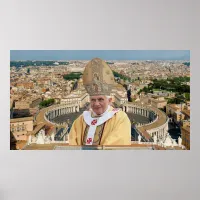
x: 98, y: 78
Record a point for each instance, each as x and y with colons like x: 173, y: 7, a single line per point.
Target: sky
x: 103, y: 54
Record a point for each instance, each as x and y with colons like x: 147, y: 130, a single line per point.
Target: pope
x: 102, y: 124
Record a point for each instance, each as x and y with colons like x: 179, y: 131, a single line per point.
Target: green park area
x: 46, y: 103
x: 121, y: 76
x: 72, y: 76
x: 178, y: 85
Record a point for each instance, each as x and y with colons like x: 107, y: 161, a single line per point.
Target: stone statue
x: 52, y: 137
x: 139, y: 138
x: 29, y: 139
x: 47, y: 140
x: 155, y: 138
x: 34, y: 139
x: 179, y: 141
x: 42, y: 132
x: 174, y: 142
x: 40, y: 137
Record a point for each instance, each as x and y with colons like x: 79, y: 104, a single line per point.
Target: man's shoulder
x: 120, y: 114
x: 79, y: 118
x: 118, y: 110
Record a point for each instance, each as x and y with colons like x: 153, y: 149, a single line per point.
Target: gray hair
x: 108, y: 97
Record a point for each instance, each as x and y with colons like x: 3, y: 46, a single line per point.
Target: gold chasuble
x: 114, y: 131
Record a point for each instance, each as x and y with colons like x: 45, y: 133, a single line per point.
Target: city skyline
x: 103, y: 54
x: 155, y: 95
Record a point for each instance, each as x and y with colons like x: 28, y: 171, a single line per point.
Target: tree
x: 72, y: 76
x: 47, y: 102
x: 187, y: 96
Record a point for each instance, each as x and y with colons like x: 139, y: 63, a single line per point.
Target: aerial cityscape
x: 47, y: 95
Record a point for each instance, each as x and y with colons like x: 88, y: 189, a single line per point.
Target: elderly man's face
x: 99, y: 104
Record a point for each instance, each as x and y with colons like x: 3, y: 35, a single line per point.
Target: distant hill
x: 35, y: 63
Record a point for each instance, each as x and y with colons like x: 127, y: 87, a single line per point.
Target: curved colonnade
x: 143, y: 111
x: 59, y: 110
x: 158, y: 125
